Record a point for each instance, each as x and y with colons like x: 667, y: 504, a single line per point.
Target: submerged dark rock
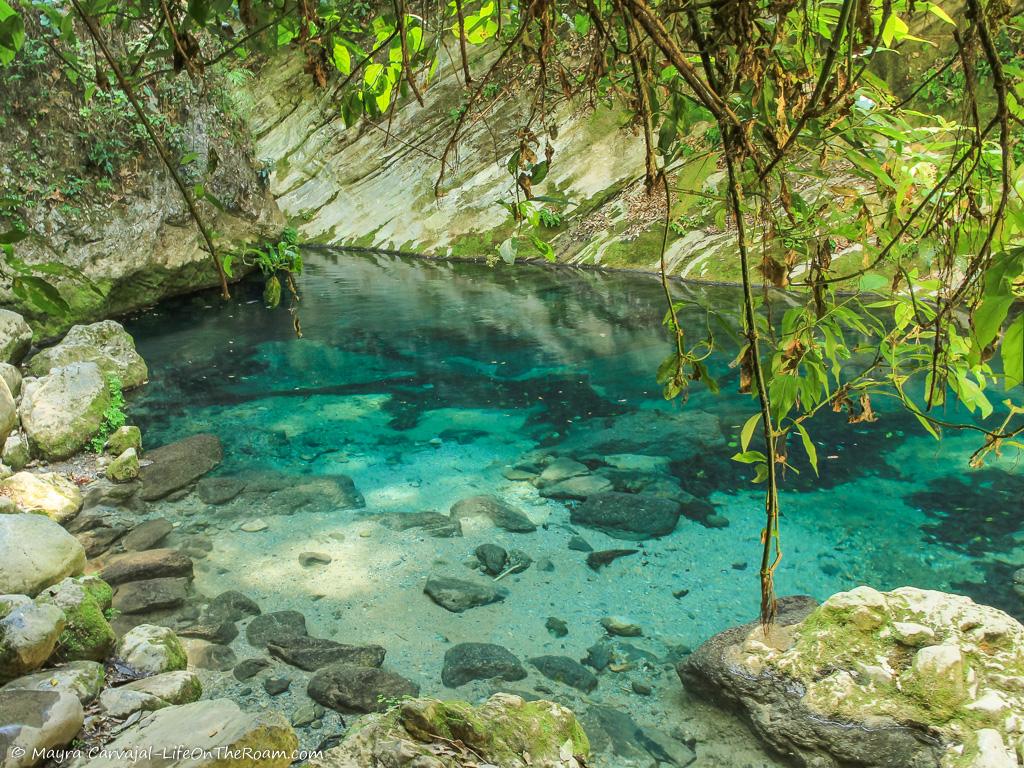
x: 632, y: 516
x: 150, y: 595
x: 479, y: 661
x: 279, y: 628
x: 232, y: 605
x: 598, y: 560
x: 249, y: 668
x: 313, y: 653
x: 219, y: 490
x: 492, y: 558
x: 564, y: 670
x: 433, y: 523
x: 176, y: 465
x: 458, y: 595
x: 349, y: 688
x: 146, y: 535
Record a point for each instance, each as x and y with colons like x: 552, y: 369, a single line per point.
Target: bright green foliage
x: 114, y: 416
x: 272, y: 260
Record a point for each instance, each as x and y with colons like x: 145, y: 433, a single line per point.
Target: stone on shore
x: 504, y: 731
x: 15, y: 337
x: 124, y: 468
x: 85, y: 602
x: 84, y: 679
x: 46, y: 493
x: 32, y: 721
x: 207, y: 730
x: 28, y: 635
x: 37, y: 552
x: 149, y: 649
x: 61, y: 411
x: 106, y: 344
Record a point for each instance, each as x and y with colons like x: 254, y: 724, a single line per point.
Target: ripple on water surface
x: 425, y: 383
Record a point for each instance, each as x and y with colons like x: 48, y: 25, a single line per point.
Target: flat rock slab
x: 207, y: 729
x: 149, y: 564
x: 349, y: 688
x: 630, y: 516
x: 32, y: 720
x: 458, y: 595
x: 151, y: 595
x: 501, y: 514
x: 313, y: 653
x: 279, y: 628
x: 146, y: 535
x: 177, y: 465
x: 84, y: 679
x: 479, y: 661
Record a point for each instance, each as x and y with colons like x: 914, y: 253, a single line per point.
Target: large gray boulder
x: 32, y: 721
x: 84, y: 679
x: 46, y: 493
x: 903, y: 679
x: 37, y: 552
x: 207, y: 730
x: 62, y: 411
x: 28, y: 634
x: 179, y: 464
x: 106, y: 343
x: 11, y: 375
x: 15, y: 337
x: 8, y: 411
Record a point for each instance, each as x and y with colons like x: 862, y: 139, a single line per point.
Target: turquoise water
x: 427, y: 382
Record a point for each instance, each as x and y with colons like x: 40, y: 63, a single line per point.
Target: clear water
x: 423, y: 381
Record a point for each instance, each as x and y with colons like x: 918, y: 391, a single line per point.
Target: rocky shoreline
x: 105, y: 640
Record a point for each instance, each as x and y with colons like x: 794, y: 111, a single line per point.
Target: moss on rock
x: 87, y: 634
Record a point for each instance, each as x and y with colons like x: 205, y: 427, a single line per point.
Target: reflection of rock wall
x: 357, y: 187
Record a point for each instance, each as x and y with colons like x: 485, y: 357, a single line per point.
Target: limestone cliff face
x: 370, y: 187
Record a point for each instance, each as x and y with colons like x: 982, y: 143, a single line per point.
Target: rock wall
x: 364, y: 187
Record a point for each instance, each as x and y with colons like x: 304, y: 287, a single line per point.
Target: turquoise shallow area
x: 425, y: 381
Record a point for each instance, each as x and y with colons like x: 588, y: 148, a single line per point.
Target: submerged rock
x: 106, y: 343
x: 433, y: 523
x: 351, y: 688
x: 279, y: 628
x: 231, y: 605
x: 219, y: 490
x: 147, y: 564
x: 151, y: 594
x: 492, y: 558
x: 179, y: 464
x: 206, y: 730
x: 479, y: 661
x: 458, y: 595
x: 61, y: 411
x: 850, y: 683
x: 312, y: 653
x: 146, y: 535
x: 631, y: 516
x: 37, y: 552
x: 32, y: 720
x: 46, y: 493
x: 500, y: 513
x: 504, y: 731
x: 564, y: 670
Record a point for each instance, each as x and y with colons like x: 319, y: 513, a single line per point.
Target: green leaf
x: 540, y: 170
x: 941, y: 13
x: 12, y: 33
x: 749, y: 457
x: 1012, y: 352
x: 812, y: 452
x: 12, y: 236
x: 872, y: 282
x: 748, y: 430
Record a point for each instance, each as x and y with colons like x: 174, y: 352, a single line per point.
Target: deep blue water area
x: 428, y: 382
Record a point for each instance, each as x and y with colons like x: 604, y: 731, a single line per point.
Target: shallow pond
x: 429, y: 382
